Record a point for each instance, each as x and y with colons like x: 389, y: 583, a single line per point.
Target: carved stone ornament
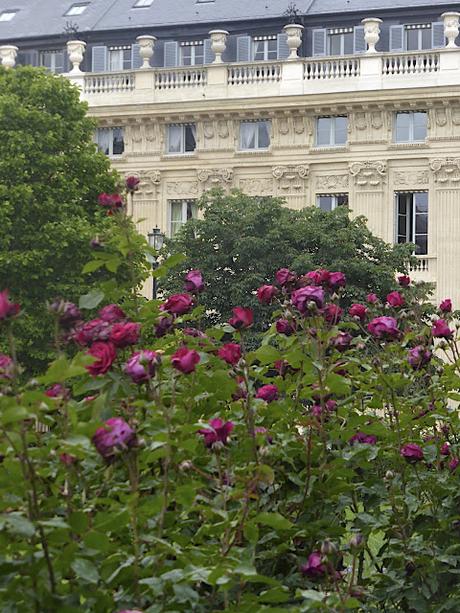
x: 412, y: 178
x: 361, y: 121
x: 377, y: 120
x: 299, y: 124
x: 446, y: 170
x: 150, y: 180
x: 368, y: 174
x: 291, y: 178
x: 260, y: 186
x: 222, y: 129
x: 183, y: 189
x: 332, y: 182
x: 215, y: 177
x: 208, y: 129
x: 441, y: 117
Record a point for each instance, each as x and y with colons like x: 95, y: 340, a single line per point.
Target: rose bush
x: 157, y: 466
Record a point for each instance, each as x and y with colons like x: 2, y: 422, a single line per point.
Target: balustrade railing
x: 242, y: 74
x: 175, y: 78
x: 331, y: 68
x: 425, y: 263
x: 109, y: 83
x: 410, y: 63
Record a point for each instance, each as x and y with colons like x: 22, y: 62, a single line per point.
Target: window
x: 53, y: 61
x: 410, y: 127
x: 418, y: 37
x: 110, y: 141
x: 119, y: 58
x: 142, y: 3
x: 192, y: 54
x: 329, y: 202
x: 7, y: 15
x: 181, y: 138
x: 254, y: 135
x: 412, y: 220
x: 180, y: 211
x: 76, y: 9
x: 265, y: 48
x: 340, y: 43
x: 331, y: 131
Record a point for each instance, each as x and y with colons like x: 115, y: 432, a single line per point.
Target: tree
x: 242, y: 241
x: 50, y: 178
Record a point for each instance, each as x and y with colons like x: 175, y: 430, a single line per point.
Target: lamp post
x: 156, y: 239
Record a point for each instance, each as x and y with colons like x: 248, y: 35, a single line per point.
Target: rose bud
x: 314, y: 567
x: 440, y: 329
x: 357, y: 542
x: 453, y: 464
x: 106, y: 353
x: 163, y: 326
x: 358, y: 310
x: 142, y: 366
x: 230, y: 353
x: 178, y: 304
x: 445, y: 449
x: 283, y: 326
x: 267, y: 393
x: 395, y: 299
x: 95, y: 243
x: 7, y: 309
x: 115, y: 435
x: 446, y: 305
x: 284, y: 276
x: 372, y: 298
x: 384, y: 327
x: 132, y: 183
x: 194, y: 282
x: 216, y: 432
x: 242, y: 318
x: 185, y: 360
x: 266, y: 293
x: 332, y: 313
x: 404, y: 281
x: 67, y: 459
x: 342, y: 341
x: 7, y: 368
x: 412, y: 452
x: 57, y: 391
x: 363, y: 439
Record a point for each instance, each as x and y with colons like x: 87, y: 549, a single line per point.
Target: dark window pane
x: 342, y: 200
x: 264, y: 134
x: 421, y: 224
x: 421, y: 245
x: 412, y: 40
x: 190, y: 142
x: 118, y: 142
x: 402, y: 226
x: 325, y: 203
x: 348, y: 43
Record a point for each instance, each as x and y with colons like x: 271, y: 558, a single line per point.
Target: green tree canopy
x: 50, y: 177
x: 241, y: 242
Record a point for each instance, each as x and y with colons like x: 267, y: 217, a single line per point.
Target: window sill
x: 415, y: 145
x: 253, y: 152
x: 332, y: 149
x: 173, y: 156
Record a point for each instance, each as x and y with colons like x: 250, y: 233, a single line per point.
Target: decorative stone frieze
x: 290, y: 179
x: 410, y: 178
x: 182, y: 189
x: 332, y: 182
x: 257, y: 186
x: 446, y: 171
x: 150, y: 181
x: 368, y: 174
x: 215, y: 177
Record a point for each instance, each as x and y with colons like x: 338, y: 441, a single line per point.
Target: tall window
x: 53, y: 61
x: 329, y: 202
x: 331, y: 131
x: 180, y: 211
x: 181, y: 138
x: 254, y: 135
x: 192, y: 54
x: 110, y: 141
x: 340, y: 43
x: 418, y: 37
x: 265, y: 48
x: 410, y: 127
x: 119, y: 58
x: 412, y: 220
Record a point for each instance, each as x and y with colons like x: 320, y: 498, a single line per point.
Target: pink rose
x: 132, y: 183
x: 7, y: 368
x: 404, y: 280
x: 124, y: 334
x: 163, y: 326
x: 332, y: 313
x: 105, y: 354
x: 384, y: 327
x: 266, y: 293
x: 194, y: 282
x: 336, y: 280
x: 358, y: 310
x: 91, y: 331
x: 7, y: 308
x: 178, y: 304
x: 453, y: 464
x: 342, y: 341
x: 412, y: 452
x: 318, y: 277
x: 283, y: 326
x: 419, y: 356
x: 267, y: 393
x: 185, y: 360
x: 372, y: 298
x: 230, y: 353
x: 363, y: 439
x: 242, y: 318
x: 111, y: 313
x: 216, y: 432
x: 440, y: 329
x: 57, y: 391
x: 446, y: 305
x: 302, y: 297
x: 445, y: 449
x: 110, y: 202
x: 284, y: 276
x: 142, y: 365
x: 115, y: 435
x: 395, y: 299
x: 314, y: 567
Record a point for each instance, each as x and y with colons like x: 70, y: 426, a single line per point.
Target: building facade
x: 358, y: 106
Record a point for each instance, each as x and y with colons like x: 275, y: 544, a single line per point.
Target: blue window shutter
x: 99, y: 59
x: 397, y: 42
x: 283, y: 49
x: 136, y: 60
x: 359, y: 43
x: 208, y: 52
x: 438, y: 39
x: 243, y: 49
x: 319, y: 41
x: 171, y: 53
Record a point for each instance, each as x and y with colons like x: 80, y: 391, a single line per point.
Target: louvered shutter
x: 438, y: 40
x: 136, y: 60
x: 208, y: 52
x: 359, y: 43
x: 397, y: 38
x: 171, y: 53
x: 319, y: 41
x: 283, y: 49
x: 99, y: 59
x: 243, y: 49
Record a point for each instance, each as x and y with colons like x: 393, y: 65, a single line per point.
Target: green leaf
x: 86, y: 570
x: 92, y: 266
x: 91, y: 300
x: 63, y: 369
x: 275, y: 594
x: 78, y: 521
x: 274, y: 520
x: 186, y: 495
x: 14, y: 414
x: 251, y: 532
x: 18, y: 524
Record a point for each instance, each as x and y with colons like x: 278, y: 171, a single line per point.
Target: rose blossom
x: 194, y: 282
x: 218, y: 431
x: 110, y: 202
x: 440, y: 329
x: 453, y: 464
x: 6, y: 367
x: 115, y: 435
x: 124, y: 334
x: 372, y: 298
x: 68, y: 313
x: 178, y: 304
x: 185, y: 360
x: 242, y: 318
x: 358, y: 310
x: 111, y: 313
x: 383, y: 327
x: 445, y: 449
x: 91, y: 331
x: 266, y: 293
x: 141, y: 365
x: 342, y: 341
x: 267, y: 393
x: 163, y: 326
x: 57, y: 391
x: 194, y: 333
x: 363, y: 439
x: 303, y: 296
x: 404, y: 280
x: 132, y: 183
x: 395, y: 299
x: 314, y: 567
x: 106, y: 353
x: 419, y: 356
x: 230, y: 353
x: 284, y: 276
x: 446, y: 305
x: 332, y: 313
x: 336, y: 280
x: 283, y: 326
x: 318, y: 277
x: 7, y: 308
x: 412, y: 452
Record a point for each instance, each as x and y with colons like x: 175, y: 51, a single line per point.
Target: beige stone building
x: 377, y: 131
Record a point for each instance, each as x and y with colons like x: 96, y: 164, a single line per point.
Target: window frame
x: 411, y: 138
x: 183, y: 139
x: 110, y: 152
x: 266, y: 50
x: 193, y: 54
x: 420, y: 28
x: 53, y: 53
x: 332, y: 131
x: 410, y: 233
x: 340, y: 35
x: 185, y: 202
x: 125, y: 53
x: 82, y: 5
x: 256, y: 147
x: 334, y: 200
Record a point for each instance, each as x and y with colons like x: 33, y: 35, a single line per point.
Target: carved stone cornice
x: 368, y: 174
x: 291, y: 178
x: 149, y: 182
x: 446, y: 171
x: 215, y: 177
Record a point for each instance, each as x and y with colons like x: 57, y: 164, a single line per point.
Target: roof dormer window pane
x: 142, y: 3
x: 7, y: 15
x: 76, y: 9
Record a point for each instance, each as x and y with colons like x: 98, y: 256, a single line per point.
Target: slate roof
x: 44, y: 18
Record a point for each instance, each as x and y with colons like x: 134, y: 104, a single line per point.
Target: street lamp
x: 156, y: 239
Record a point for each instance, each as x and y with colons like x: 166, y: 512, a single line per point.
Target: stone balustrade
x: 425, y: 269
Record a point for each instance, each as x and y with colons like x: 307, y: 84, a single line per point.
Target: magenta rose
x: 404, y: 281
x: 336, y: 280
x: 194, y: 282
x: 178, y: 304
x: 7, y: 308
x: 7, y: 368
x: 332, y: 313
x: 419, y: 356
x: 440, y: 329
x: 266, y: 293
x: 314, y: 567
x: 142, y: 365
x: 445, y: 449
x: 269, y: 393
x: 302, y: 297
x: 57, y: 391
x: 125, y: 334
x: 358, y: 310
x: 284, y: 276
x: 342, y: 341
x: 115, y: 435
x: 446, y: 306
x: 105, y: 354
x: 283, y: 326
x: 111, y: 313
x: 67, y: 459
x: 242, y: 318
x: 132, y: 183
x: 384, y: 327
x: 412, y: 452
x: 185, y: 360
x: 91, y: 331
x: 372, y: 298
x: 163, y: 326
x: 110, y: 202
x: 217, y: 431
x: 318, y: 277
x: 230, y: 353
x: 363, y: 439
x: 395, y: 299
x: 453, y: 464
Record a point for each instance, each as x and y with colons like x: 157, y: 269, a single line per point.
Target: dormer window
x: 7, y: 15
x: 76, y: 9
x: 142, y: 4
